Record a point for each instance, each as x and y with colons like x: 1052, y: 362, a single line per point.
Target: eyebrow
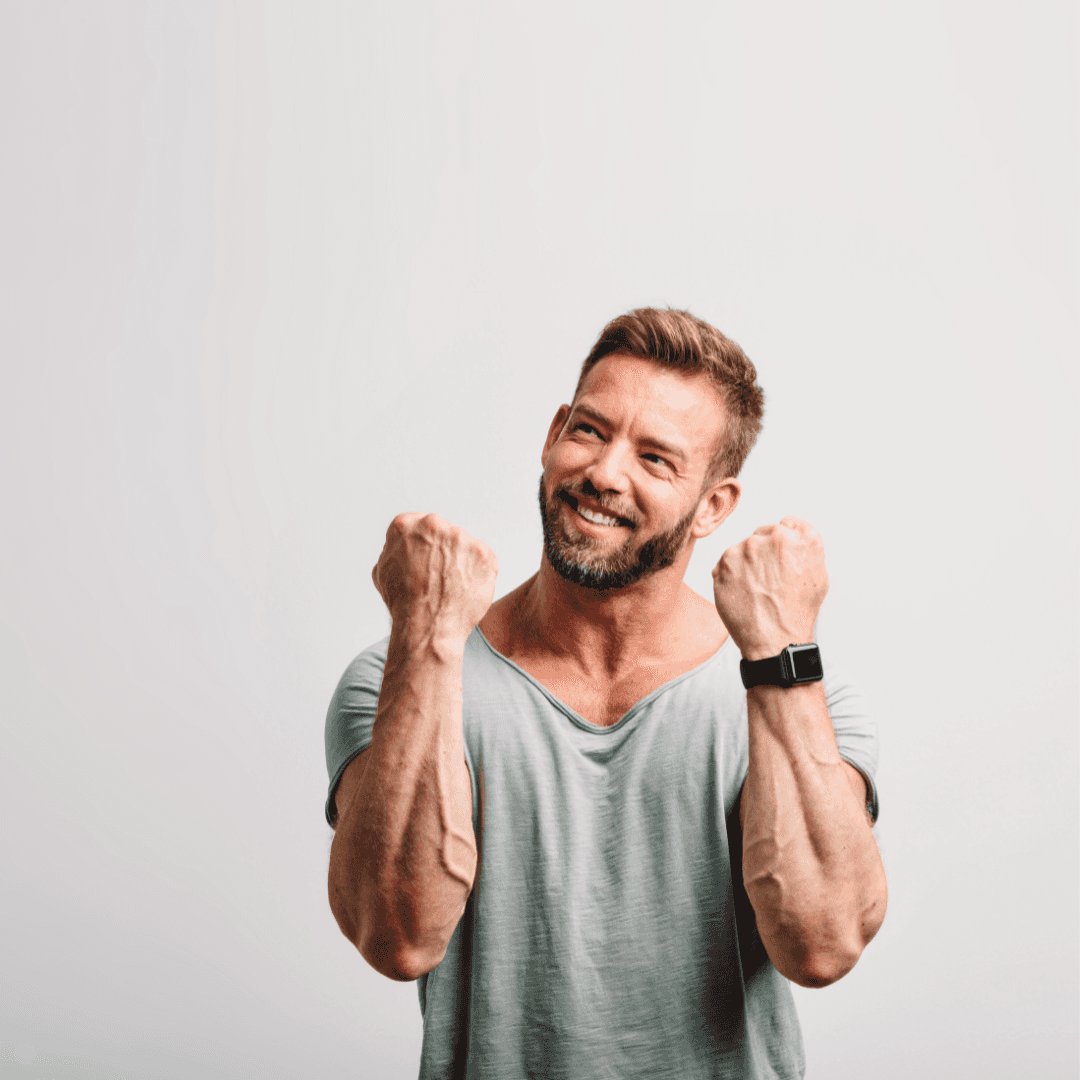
x: 659, y: 444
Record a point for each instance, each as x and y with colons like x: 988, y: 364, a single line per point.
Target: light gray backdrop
x: 272, y: 273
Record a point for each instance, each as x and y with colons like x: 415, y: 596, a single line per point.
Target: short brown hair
x: 681, y: 340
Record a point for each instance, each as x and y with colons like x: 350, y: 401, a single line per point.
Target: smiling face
x: 625, y: 467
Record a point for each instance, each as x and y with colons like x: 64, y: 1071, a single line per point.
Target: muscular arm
x: 811, y: 867
x: 404, y: 856
x: 810, y: 863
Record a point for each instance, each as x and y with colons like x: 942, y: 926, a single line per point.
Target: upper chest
x: 602, y: 693
x: 600, y: 699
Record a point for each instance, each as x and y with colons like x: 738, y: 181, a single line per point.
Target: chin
x: 592, y: 561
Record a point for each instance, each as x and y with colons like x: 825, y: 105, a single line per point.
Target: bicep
x: 860, y: 788
x: 348, y: 785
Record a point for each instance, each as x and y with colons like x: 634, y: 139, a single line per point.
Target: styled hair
x: 680, y: 340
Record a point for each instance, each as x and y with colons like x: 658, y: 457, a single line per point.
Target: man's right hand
x: 435, y: 577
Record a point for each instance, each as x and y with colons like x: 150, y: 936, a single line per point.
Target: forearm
x: 810, y: 863
x: 404, y: 853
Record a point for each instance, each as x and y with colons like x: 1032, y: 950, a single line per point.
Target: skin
x: 635, y: 447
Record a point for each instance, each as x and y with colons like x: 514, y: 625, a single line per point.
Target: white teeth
x: 598, y: 519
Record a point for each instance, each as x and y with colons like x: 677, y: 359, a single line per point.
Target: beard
x: 576, y: 559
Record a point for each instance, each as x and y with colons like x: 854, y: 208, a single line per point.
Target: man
x: 564, y: 813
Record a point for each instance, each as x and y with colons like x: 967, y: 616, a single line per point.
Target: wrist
x: 763, y: 648
x: 443, y: 641
x: 759, y: 651
x: 794, y: 664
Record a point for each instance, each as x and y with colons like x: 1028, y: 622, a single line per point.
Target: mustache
x: 586, y: 490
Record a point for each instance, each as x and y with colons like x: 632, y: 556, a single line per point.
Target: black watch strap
x: 796, y: 664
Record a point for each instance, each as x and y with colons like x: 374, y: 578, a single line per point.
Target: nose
x: 608, y: 470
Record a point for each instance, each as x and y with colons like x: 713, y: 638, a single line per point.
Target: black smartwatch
x: 796, y: 664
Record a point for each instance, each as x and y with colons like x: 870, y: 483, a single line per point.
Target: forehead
x: 655, y: 400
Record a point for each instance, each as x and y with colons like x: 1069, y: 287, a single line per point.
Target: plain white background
x: 272, y: 273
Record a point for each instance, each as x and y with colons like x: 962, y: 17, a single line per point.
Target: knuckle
x: 403, y: 523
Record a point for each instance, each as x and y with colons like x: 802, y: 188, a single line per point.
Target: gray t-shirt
x: 608, y: 933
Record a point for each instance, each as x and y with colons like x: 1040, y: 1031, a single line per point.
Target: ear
x: 554, y: 432
x: 717, y: 502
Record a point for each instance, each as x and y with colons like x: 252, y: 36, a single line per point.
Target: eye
x: 654, y: 459
x: 587, y: 428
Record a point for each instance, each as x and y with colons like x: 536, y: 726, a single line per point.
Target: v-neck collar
x: 574, y: 715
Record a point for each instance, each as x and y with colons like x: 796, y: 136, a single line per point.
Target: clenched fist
x: 769, y: 588
x: 434, y: 576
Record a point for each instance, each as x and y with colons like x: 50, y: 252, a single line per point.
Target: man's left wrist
x: 762, y: 652
x: 794, y: 664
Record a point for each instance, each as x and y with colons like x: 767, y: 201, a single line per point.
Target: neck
x: 608, y: 630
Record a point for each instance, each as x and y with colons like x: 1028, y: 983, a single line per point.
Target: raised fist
x: 769, y: 588
x: 435, y: 576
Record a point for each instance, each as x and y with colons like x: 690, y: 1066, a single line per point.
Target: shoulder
x: 351, y: 715
x: 364, y: 673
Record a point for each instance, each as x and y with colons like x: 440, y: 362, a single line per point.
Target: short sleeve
x: 856, y: 731
x: 351, y: 716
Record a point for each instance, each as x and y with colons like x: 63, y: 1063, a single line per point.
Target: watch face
x: 806, y: 662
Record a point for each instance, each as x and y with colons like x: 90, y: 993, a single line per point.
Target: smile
x: 594, y: 517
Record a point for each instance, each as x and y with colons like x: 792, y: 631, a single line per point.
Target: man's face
x: 624, y: 471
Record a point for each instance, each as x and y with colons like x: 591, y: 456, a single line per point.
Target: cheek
x: 566, y: 457
x: 668, y: 505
